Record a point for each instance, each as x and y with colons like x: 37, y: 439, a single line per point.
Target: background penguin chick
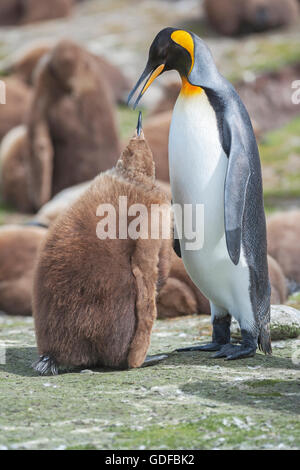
x: 26, y: 60
x: 231, y: 17
x: 18, y: 99
x: 19, y: 246
x: 179, y: 296
x: 277, y: 281
x: 72, y: 125
x: 261, y: 15
x: 157, y: 131
x: 17, y: 12
x: 13, y: 169
x: 117, y: 81
x: 283, y: 235
x: 94, y: 299
x: 170, y: 94
x: 48, y: 213
x: 224, y: 15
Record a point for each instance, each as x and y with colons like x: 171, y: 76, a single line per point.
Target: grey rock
x: 285, y: 323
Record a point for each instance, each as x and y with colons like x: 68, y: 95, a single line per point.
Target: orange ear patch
x: 185, y: 40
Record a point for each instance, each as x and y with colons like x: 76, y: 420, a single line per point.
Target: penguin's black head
x: 172, y: 49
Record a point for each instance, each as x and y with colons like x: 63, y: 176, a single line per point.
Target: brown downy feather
x: 94, y: 300
x: 48, y: 213
x: 19, y: 246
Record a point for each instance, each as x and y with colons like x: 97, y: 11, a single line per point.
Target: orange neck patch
x: 189, y: 90
x: 185, y: 40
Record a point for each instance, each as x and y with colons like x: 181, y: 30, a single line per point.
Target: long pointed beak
x: 149, y: 75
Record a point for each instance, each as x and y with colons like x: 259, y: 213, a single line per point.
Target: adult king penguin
x: 214, y: 161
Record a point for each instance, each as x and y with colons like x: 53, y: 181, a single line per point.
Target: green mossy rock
x: 285, y: 323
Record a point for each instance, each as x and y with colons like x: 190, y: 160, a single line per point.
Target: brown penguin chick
x: 268, y: 98
x: 72, y: 125
x: 224, y: 16
x: 18, y: 99
x: 94, y: 299
x: 18, y: 12
x: 14, y: 150
x: 283, y: 235
x: 232, y: 17
x: 48, y: 213
x: 19, y: 246
x: 179, y: 296
x: 277, y: 281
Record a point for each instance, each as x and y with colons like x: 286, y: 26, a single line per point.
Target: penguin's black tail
x: 264, y: 339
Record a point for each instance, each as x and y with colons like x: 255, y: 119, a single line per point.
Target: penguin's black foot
x: 152, y: 360
x: 202, y: 347
x: 220, y: 337
x: 231, y: 351
x: 45, y: 365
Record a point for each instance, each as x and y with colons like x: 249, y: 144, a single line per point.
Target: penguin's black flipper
x: 176, y: 247
x: 176, y: 242
x: 236, y: 183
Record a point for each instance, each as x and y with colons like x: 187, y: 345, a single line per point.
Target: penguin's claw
x: 152, y: 360
x: 202, y: 347
x: 224, y: 351
x: 231, y: 351
x: 240, y: 353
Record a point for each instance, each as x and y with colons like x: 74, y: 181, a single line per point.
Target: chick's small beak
x: 149, y: 75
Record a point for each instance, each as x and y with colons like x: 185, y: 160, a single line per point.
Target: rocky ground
x: 189, y: 401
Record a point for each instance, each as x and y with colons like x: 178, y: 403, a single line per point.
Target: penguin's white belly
x: 198, y: 167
